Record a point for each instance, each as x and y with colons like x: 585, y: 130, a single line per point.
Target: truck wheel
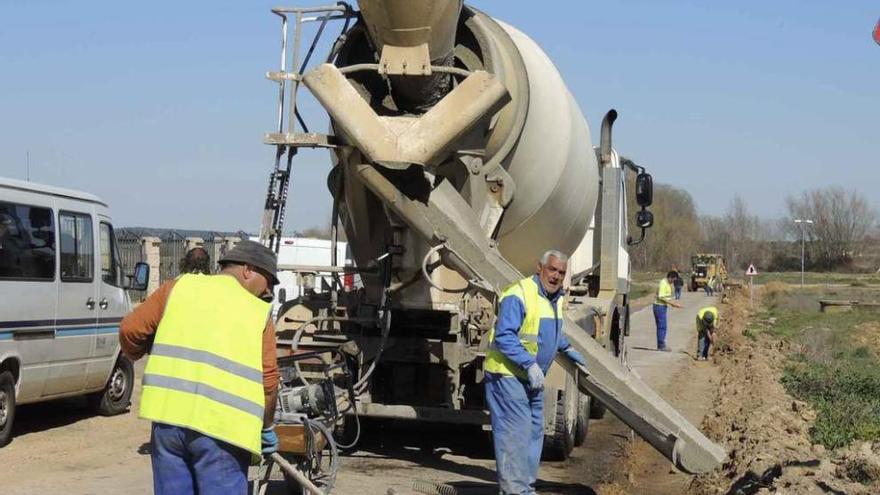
x: 558, y: 446
x: 116, y: 396
x: 583, y: 420
x: 7, y: 407
x: 597, y: 409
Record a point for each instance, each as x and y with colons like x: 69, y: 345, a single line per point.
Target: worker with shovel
x: 522, y: 346
x: 211, y: 379
x: 707, y: 323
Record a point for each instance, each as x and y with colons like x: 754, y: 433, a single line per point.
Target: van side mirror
x: 141, y: 277
x: 644, y: 189
x: 644, y: 219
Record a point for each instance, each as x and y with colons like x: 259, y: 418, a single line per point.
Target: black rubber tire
x: 116, y: 396
x: 558, y: 446
x: 597, y: 410
x: 7, y: 388
x: 583, y: 420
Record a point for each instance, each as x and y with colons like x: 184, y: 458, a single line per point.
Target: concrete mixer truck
x: 459, y: 157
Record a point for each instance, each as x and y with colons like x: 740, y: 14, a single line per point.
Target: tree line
x: 842, y: 236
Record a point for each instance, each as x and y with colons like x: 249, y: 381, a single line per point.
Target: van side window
x: 27, y: 242
x: 111, y: 269
x: 77, y: 247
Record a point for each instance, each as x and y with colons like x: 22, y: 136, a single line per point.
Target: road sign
x: 751, y: 271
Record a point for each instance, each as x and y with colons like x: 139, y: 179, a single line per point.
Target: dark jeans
x: 187, y: 462
x: 660, y: 320
x: 678, y: 292
x: 703, y: 345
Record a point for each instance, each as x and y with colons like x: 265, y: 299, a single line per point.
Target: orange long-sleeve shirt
x: 138, y: 328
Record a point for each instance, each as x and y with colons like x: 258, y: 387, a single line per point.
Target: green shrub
x: 845, y: 394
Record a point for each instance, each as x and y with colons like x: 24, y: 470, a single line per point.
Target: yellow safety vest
x: 205, y: 367
x: 664, y: 293
x: 702, y: 312
x: 537, y: 307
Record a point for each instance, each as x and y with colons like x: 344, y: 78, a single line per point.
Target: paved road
x: 656, y: 368
x: 61, y: 447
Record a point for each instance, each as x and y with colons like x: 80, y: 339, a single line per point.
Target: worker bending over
x: 707, y: 323
x: 661, y: 305
x: 211, y: 379
x: 522, y: 346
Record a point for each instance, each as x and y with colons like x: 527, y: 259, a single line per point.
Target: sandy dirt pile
x: 765, y: 431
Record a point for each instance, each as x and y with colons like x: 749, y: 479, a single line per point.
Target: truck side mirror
x: 644, y: 219
x: 282, y: 295
x: 644, y: 189
x: 141, y: 276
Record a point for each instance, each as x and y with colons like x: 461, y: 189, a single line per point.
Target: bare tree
x: 738, y: 235
x: 841, y: 219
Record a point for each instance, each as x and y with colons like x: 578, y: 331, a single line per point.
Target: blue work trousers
x: 660, y: 311
x: 186, y: 462
x: 703, y: 345
x: 517, y: 431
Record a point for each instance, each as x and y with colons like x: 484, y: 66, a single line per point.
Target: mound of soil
x: 766, y: 432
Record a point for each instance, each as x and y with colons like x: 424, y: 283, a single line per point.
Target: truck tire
x: 116, y: 396
x: 583, y: 420
x: 559, y: 445
x: 7, y: 407
x: 597, y: 409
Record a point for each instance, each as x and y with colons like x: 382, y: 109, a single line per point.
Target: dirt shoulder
x: 765, y: 430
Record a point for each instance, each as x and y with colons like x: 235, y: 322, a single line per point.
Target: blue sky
x: 161, y: 110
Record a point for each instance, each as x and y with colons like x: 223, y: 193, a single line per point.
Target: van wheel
x: 7, y: 406
x: 116, y: 396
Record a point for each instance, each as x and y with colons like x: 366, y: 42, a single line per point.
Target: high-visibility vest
x: 537, y: 307
x: 205, y: 367
x: 702, y: 312
x: 664, y: 293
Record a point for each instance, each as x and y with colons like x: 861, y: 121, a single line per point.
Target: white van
x: 62, y: 296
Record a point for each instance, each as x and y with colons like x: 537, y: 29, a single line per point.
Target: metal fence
x: 171, y: 251
x: 131, y: 252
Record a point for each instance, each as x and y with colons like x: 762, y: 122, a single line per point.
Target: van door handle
x: 104, y: 303
x: 90, y: 303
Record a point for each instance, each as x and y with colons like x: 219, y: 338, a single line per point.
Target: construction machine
x: 459, y: 157
x: 706, y: 267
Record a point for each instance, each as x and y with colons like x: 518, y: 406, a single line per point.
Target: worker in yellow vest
x: 522, y: 346
x: 211, y: 380
x: 661, y: 304
x: 707, y: 323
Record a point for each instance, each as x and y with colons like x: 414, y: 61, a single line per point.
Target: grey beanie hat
x: 256, y: 255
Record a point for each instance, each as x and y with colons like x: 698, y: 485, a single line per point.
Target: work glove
x: 269, y: 440
x: 536, y: 378
x: 575, y: 356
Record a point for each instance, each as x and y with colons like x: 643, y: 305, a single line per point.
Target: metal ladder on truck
x: 287, y: 139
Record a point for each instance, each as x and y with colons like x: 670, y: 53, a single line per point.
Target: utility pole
x: 28, y: 165
x: 802, y: 223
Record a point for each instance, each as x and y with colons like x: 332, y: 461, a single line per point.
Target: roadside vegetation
x: 833, y: 358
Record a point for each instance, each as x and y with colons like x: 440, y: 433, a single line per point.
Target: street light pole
x: 802, y: 223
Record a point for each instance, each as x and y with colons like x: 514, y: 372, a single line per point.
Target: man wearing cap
x: 211, y: 379
x: 707, y: 322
